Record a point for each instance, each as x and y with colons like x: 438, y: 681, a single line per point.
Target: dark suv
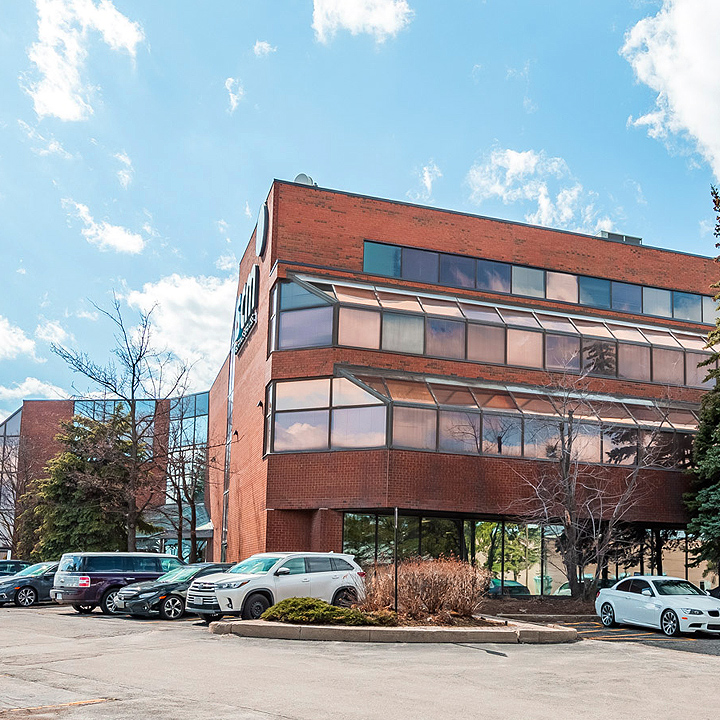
x: 86, y: 580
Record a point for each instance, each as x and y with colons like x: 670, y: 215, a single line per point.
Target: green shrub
x: 310, y: 611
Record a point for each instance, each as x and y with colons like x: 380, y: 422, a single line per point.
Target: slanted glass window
x: 519, y: 318
x: 414, y: 428
x: 634, y: 361
x: 696, y: 375
x: 403, y: 333
x: 359, y: 328
x: 486, y: 343
x: 493, y: 276
x: 398, y: 301
x: 420, y: 265
x: 709, y: 310
x: 502, y: 435
x: 627, y: 297
x: 409, y: 391
x: 379, y: 259
x: 483, y: 314
x: 457, y: 271
x: 302, y: 394
x: 305, y: 328
x: 355, y: 296
x: 657, y: 302
x: 599, y: 357
x: 687, y: 306
x: 358, y: 427
x: 542, y: 438
x: 620, y: 445
x: 528, y: 281
x: 556, y: 322
x: 293, y: 295
x: 594, y: 292
x: 346, y: 392
x: 445, y: 338
x: 524, y: 348
x: 562, y: 352
x: 668, y: 366
x: 453, y: 395
x: 435, y: 306
x: 562, y: 286
x: 301, y: 431
x: 459, y: 432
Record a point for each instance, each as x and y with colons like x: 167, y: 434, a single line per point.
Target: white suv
x: 252, y: 586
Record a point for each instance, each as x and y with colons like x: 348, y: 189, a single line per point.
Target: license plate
x: 119, y: 603
x: 58, y: 596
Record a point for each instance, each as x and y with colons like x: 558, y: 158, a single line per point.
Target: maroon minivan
x: 88, y: 579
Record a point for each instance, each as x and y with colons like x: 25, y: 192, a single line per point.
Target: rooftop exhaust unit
x: 616, y: 237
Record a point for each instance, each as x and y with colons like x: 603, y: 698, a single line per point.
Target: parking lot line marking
x: 96, y: 701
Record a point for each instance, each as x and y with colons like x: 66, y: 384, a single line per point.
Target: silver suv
x: 252, y: 586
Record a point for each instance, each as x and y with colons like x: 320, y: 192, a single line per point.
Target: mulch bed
x: 445, y: 620
x: 536, y: 605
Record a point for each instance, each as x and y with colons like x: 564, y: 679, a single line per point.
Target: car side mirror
x: 647, y: 592
x: 282, y: 571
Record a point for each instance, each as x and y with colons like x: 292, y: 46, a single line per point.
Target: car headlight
x: 231, y: 585
x: 691, y: 611
x: 146, y: 594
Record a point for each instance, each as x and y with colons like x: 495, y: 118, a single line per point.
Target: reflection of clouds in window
x: 586, y: 443
x: 302, y: 394
x: 301, y: 430
x: 358, y: 427
x: 542, y: 438
x: 502, y: 435
x: 460, y: 432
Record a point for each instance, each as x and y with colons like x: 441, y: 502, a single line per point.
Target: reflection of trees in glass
x: 408, y: 531
x: 522, y: 546
x: 501, y: 434
x: 600, y: 357
x: 620, y: 446
x: 443, y: 537
x: 359, y: 537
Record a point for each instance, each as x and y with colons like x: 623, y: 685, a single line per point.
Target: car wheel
x: 172, y: 608
x: 255, y: 606
x: 607, y: 615
x: 669, y: 623
x: 345, y: 597
x: 107, y: 604
x: 25, y: 597
x: 213, y: 617
x: 83, y: 609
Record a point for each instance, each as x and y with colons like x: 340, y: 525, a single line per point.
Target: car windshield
x: 676, y: 587
x: 70, y: 563
x: 35, y: 570
x: 254, y: 565
x: 179, y: 574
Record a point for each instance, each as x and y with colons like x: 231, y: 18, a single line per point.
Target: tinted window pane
x: 599, y: 357
x: 293, y: 295
x: 524, y: 348
x: 358, y: 427
x: 594, y: 292
x: 542, y: 438
x: 106, y: 563
x: 359, y: 328
x: 420, y: 265
x: 658, y: 448
x: 306, y: 328
x: 346, y: 392
x: 144, y: 564
x: 562, y: 286
x: 457, y: 271
x: 633, y: 361
x: 696, y: 375
x: 657, y: 302
x: 381, y: 259
x: 340, y: 564
x: 687, y: 306
x: 708, y: 310
x: 318, y: 564
x: 445, y: 338
x: 562, y: 352
x: 301, y: 430
x: 486, y: 343
x: 414, y: 428
x: 502, y: 435
x: 620, y: 446
x: 296, y: 566
x: 586, y: 443
x: 493, y: 276
x: 460, y: 432
x: 627, y: 297
x: 403, y: 333
x: 201, y: 404
x: 302, y: 394
x: 668, y: 366
x: 528, y: 281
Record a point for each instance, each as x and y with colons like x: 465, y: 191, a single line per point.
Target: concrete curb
x: 544, y: 619
x: 513, y: 632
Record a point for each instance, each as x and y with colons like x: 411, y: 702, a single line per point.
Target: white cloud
x: 226, y: 262
x: 31, y: 388
x: 104, y: 235
x: 428, y: 175
x: 248, y: 211
x: 126, y: 172
x: 380, y: 18
x: 234, y: 94
x: 192, y: 318
x: 44, y: 145
x: 262, y: 48
x: 676, y: 53
x: 87, y: 314
x: 14, y: 341
x: 51, y: 331
x: 545, y: 183
x: 61, y: 51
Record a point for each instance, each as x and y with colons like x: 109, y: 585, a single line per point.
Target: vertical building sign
x: 246, y: 309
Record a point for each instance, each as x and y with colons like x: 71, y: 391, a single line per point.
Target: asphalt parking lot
x: 55, y: 663
x: 704, y: 644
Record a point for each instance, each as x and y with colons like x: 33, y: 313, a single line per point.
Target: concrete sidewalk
x: 504, y: 632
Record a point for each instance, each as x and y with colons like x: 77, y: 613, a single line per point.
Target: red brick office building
x: 387, y: 355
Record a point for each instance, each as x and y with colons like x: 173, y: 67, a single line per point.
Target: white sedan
x: 671, y: 604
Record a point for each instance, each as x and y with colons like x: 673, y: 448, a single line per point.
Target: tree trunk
x: 179, y: 527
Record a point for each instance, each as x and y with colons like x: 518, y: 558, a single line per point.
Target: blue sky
x: 138, y: 140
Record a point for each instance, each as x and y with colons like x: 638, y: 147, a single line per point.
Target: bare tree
x: 138, y: 373
x: 11, y: 490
